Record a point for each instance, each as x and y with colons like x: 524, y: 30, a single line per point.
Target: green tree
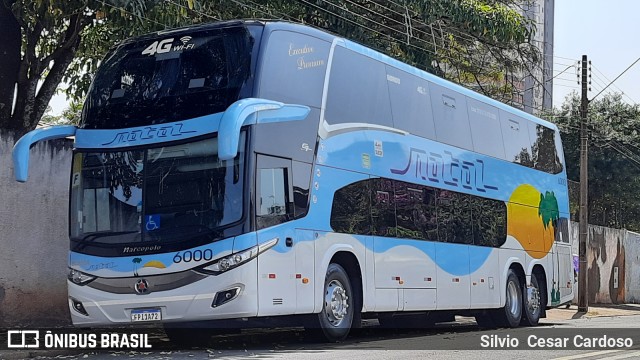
x: 48, y: 41
x: 614, y: 158
x: 70, y: 115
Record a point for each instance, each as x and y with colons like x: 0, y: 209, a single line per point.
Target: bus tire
x: 531, y: 303
x: 336, y: 317
x: 510, y: 314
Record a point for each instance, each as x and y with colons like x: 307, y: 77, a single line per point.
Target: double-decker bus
x: 252, y: 171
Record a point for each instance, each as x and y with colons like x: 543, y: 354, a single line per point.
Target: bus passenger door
x: 274, y: 210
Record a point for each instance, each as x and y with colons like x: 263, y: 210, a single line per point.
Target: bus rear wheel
x: 336, y: 317
x: 531, y: 303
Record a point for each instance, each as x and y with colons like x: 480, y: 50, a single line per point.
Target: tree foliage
x: 614, y: 158
x: 48, y: 41
x: 481, y: 42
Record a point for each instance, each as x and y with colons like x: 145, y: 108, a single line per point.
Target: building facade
x: 536, y: 83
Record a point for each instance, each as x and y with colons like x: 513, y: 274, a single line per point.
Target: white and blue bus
x: 251, y: 172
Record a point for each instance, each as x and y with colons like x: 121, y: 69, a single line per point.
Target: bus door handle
x: 288, y: 242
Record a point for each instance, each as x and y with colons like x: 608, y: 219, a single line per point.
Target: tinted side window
x: 410, y: 103
x: 301, y: 180
x: 389, y: 208
x: 383, y: 207
x: 416, y: 211
x: 358, y: 91
x: 543, y: 149
x: 485, y: 129
x: 489, y: 222
x: 300, y: 62
x: 559, y: 152
x: 517, y: 146
x: 450, y: 117
x: 274, y: 193
x: 454, y: 217
x: 273, y: 200
x: 350, y: 212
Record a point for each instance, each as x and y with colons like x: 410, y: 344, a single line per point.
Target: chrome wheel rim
x: 533, y: 300
x: 513, y: 299
x: 335, y: 303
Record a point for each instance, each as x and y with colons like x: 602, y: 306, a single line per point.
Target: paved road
x: 374, y: 343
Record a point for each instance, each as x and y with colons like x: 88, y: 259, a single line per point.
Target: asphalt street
x: 460, y: 340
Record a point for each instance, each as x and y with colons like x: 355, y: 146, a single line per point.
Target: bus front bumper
x: 235, y: 294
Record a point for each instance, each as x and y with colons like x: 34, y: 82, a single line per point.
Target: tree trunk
x: 9, y: 62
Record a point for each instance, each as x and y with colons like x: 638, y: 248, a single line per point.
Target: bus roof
x: 273, y: 25
x: 322, y: 34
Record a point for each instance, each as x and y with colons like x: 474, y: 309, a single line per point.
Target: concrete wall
x: 611, y: 270
x: 33, y: 236
x: 632, y: 267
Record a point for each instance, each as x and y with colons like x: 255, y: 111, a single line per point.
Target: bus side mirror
x: 21, y: 148
x: 253, y: 111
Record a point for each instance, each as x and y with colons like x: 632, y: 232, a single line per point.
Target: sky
x: 608, y: 32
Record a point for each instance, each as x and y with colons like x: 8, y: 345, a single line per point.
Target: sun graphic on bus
x: 532, y: 218
x: 155, y: 264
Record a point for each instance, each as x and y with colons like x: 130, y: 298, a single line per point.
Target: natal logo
x: 532, y: 219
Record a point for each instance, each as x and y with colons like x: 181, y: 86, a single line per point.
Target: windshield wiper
x: 94, y: 236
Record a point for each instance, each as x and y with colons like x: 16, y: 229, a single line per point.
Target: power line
x: 614, y: 85
x: 617, y: 77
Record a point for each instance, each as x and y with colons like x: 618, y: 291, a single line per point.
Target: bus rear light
x: 79, y: 278
x: 234, y: 260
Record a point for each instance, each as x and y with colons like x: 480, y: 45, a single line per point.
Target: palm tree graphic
x: 135, y: 268
x: 548, y: 209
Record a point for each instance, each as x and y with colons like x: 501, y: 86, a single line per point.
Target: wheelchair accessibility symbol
x: 152, y: 222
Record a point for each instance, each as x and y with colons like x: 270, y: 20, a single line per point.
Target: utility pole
x: 583, y: 300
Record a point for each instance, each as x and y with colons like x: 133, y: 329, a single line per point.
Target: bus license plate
x: 146, y: 315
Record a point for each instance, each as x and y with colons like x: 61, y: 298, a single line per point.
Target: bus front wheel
x: 336, y: 316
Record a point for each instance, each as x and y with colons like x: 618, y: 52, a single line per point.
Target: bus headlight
x: 79, y: 278
x: 234, y: 260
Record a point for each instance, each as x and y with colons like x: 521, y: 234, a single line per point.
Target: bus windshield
x: 162, y: 195
x: 169, y: 78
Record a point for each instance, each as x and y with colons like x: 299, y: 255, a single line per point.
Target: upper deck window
x: 170, y: 78
x: 358, y: 91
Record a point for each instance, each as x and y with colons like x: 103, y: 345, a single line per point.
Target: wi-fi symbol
x: 185, y: 39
